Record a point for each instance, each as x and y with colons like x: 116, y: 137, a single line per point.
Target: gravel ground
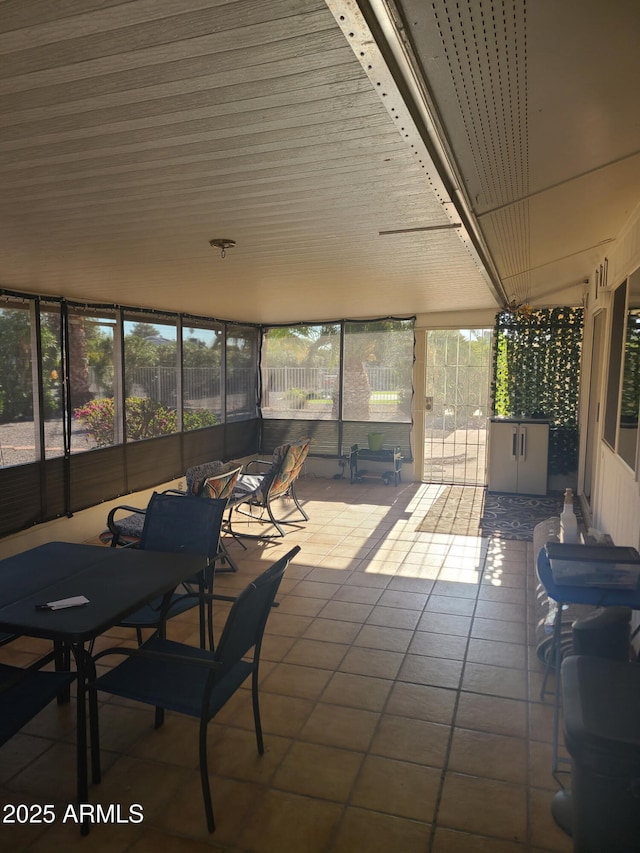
x: 18, y: 445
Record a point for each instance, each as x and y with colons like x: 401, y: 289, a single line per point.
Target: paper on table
x: 74, y: 601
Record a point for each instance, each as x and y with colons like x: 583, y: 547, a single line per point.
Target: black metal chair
x: 182, y: 523
x: 209, y: 480
x: 258, y: 492
x: 195, y: 682
x: 26, y: 692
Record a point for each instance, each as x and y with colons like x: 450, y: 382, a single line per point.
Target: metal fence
x: 199, y: 383
x: 323, y: 381
x: 203, y: 383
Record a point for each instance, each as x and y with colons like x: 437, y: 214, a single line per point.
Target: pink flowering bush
x: 144, y: 419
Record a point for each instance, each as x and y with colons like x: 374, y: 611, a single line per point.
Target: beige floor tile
x: 372, y: 832
x: 19, y: 752
x: 316, y: 770
x: 448, y: 604
x: 153, y: 840
x: 51, y: 774
x: 393, y: 617
x: 287, y: 624
x: 489, y: 755
x: 408, y: 739
x: 484, y: 807
x: 397, y: 787
x: 308, y: 588
x: 504, y: 632
x: 492, y: 714
x: 541, y: 765
x: 422, y: 702
x: 445, y: 623
x: 332, y: 631
x: 496, y: 653
x: 361, y: 577
x: 385, y: 638
x: 333, y: 725
x: 282, y: 821
x: 357, y: 691
x: 358, y: 594
x: 281, y: 715
x: 438, y: 672
x: 545, y: 833
x: 405, y: 600
x: 452, y: 841
x: 438, y: 645
x: 275, y: 647
x: 502, y: 594
x: 372, y: 662
x: 232, y: 802
x: 495, y: 680
x: 501, y: 611
x: 346, y: 610
x: 305, y: 682
x: 300, y: 605
x: 152, y: 784
x: 314, y: 653
x: 541, y: 720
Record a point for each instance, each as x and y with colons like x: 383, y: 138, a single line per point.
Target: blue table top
x: 596, y: 596
x: 117, y: 582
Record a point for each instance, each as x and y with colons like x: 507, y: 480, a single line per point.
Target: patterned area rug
x: 472, y: 511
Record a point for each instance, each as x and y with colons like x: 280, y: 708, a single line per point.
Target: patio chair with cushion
x: 198, y: 683
x: 259, y: 491
x: 209, y: 480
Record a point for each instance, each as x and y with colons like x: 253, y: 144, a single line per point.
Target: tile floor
x: 400, y: 704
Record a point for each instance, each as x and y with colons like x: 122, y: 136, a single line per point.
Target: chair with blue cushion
x: 210, y: 480
x: 182, y: 523
x: 196, y: 682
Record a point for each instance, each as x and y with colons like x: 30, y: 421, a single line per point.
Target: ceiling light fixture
x: 223, y: 244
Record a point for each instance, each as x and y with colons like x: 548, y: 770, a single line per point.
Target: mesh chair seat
x: 175, y: 523
x: 176, y: 677
x: 26, y: 692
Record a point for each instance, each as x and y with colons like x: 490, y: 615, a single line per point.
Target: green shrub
x: 144, y: 419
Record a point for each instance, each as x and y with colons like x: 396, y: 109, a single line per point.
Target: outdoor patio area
x: 400, y: 702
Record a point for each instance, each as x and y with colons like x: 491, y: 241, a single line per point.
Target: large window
x: 150, y: 371
x: 378, y: 370
x: 350, y: 371
x: 615, y: 360
x: 91, y: 380
x: 241, y: 372
x: 301, y: 372
x: 18, y: 438
x: 623, y: 391
x: 202, y: 356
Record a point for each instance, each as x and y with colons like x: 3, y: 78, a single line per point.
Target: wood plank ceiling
x: 135, y: 132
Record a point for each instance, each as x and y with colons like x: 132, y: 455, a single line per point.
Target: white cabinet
x: 518, y: 453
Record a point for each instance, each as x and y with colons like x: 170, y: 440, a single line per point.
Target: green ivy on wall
x: 536, y: 373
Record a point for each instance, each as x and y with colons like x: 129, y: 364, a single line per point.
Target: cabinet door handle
x: 514, y: 443
x: 523, y: 442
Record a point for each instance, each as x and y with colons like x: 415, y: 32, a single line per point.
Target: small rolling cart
x: 391, y: 456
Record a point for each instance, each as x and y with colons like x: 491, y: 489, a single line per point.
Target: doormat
x: 472, y: 511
